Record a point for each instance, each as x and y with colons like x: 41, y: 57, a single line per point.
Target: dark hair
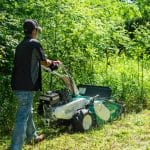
x: 29, y: 25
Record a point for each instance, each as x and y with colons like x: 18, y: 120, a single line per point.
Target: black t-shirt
x: 27, y: 69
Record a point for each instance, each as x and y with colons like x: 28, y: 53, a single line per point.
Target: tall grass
x: 128, y: 78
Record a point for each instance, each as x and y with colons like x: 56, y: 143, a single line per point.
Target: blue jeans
x: 24, y: 126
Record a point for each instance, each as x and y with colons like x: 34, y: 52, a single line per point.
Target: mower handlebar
x: 93, y: 98
x: 49, y: 69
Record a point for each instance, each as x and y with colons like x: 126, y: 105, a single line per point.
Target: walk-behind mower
x: 83, y: 107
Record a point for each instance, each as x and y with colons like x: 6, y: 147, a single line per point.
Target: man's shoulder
x: 35, y: 42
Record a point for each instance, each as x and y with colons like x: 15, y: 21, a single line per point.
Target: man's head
x: 31, y: 27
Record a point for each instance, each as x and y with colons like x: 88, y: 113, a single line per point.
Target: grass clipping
x: 129, y: 133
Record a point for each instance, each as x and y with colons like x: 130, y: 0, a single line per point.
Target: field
x: 131, y: 132
x: 103, y: 43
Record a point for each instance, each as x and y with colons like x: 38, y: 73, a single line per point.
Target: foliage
x: 91, y: 37
x: 144, y: 8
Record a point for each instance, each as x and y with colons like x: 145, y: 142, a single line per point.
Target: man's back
x: 27, y: 60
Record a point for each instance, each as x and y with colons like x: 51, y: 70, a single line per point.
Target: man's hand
x: 55, y: 65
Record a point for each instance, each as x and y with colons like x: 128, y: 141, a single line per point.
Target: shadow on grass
x: 55, y: 130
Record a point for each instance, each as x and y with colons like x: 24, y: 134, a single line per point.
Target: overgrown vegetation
x: 101, y: 42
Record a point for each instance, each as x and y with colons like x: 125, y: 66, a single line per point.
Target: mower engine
x: 52, y: 99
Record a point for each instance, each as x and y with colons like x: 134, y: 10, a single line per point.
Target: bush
x: 92, y: 38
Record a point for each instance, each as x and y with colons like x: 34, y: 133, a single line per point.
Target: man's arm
x: 46, y: 62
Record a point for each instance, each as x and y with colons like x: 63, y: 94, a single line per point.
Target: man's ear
x: 34, y: 32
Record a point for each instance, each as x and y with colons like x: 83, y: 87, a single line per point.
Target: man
x: 26, y: 78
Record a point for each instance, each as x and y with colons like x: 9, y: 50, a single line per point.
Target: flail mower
x: 83, y: 107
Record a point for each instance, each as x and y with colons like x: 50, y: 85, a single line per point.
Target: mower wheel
x: 82, y: 120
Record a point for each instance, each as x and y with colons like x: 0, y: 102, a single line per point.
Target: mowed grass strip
x: 129, y: 133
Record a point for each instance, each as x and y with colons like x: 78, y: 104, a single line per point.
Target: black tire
x: 82, y: 120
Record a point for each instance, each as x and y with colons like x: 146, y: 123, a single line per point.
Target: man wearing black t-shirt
x: 26, y: 78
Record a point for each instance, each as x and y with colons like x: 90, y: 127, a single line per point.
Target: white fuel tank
x: 68, y: 110
x: 101, y: 111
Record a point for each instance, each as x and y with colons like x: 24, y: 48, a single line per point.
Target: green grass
x: 129, y: 133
